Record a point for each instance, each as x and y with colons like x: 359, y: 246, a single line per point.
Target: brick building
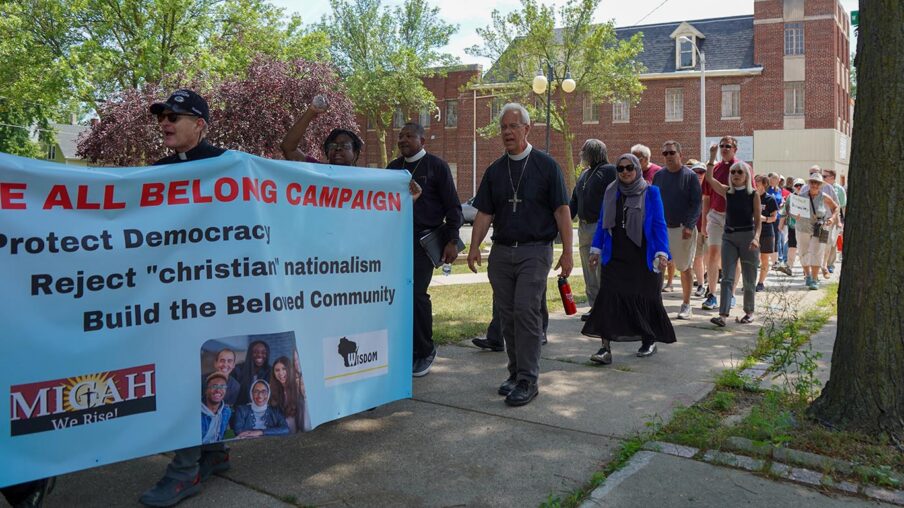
x: 778, y: 80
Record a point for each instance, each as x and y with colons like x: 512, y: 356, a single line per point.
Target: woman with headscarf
x: 258, y: 417
x: 741, y: 237
x: 631, y: 243
x: 286, y: 394
x: 256, y: 366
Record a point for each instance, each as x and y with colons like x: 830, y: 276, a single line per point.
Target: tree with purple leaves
x: 247, y: 113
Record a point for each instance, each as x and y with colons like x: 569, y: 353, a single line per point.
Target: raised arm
x: 296, y: 133
x: 716, y: 185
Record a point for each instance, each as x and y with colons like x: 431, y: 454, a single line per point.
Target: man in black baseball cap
x: 183, y: 121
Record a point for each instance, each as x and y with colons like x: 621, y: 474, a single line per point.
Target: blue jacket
x: 654, y: 230
x: 274, y: 421
x: 224, y: 423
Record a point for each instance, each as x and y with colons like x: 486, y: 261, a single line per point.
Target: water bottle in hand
x: 447, y: 268
x: 319, y: 103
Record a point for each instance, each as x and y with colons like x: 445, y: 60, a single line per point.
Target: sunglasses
x: 216, y: 387
x: 172, y: 117
x: 666, y: 153
x: 737, y: 171
x: 622, y: 169
x: 726, y: 146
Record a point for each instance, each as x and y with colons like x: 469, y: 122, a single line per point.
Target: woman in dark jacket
x: 258, y: 417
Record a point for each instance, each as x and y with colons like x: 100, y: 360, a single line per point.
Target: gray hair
x: 594, y: 153
x: 514, y: 106
x: 641, y: 149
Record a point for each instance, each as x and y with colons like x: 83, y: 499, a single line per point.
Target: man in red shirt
x: 714, y: 214
x: 642, y: 152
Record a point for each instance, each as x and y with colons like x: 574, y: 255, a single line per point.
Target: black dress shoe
x: 524, y: 392
x: 507, y: 387
x: 647, y: 349
x: 488, y: 344
x: 585, y: 316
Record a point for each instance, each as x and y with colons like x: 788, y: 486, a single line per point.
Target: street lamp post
x: 702, y: 55
x: 541, y: 84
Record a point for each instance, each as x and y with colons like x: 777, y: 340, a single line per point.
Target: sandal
x: 718, y: 321
x: 747, y: 319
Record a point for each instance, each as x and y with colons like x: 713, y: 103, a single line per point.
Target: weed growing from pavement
x: 622, y: 456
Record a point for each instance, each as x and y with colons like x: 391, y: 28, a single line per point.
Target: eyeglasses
x: 622, y: 169
x: 338, y: 146
x: 666, y: 153
x: 172, y: 117
x: 216, y: 387
x: 798, y: 185
x: 259, y: 392
x: 726, y: 145
x: 509, y: 126
x: 737, y: 171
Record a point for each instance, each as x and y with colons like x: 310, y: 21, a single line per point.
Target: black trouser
x: 423, y: 309
x: 494, y: 330
x: 16, y: 494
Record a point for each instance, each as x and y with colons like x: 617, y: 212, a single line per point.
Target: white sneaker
x: 685, y: 312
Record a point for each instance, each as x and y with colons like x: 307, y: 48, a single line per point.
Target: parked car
x: 468, y: 210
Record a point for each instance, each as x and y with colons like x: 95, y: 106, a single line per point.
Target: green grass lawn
x: 463, y: 311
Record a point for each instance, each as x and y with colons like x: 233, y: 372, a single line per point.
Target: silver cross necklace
x: 514, y: 201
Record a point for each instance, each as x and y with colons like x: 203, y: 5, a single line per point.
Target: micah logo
x: 82, y: 400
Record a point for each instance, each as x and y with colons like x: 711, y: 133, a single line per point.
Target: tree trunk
x: 866, y: 389
x: 381, y: 140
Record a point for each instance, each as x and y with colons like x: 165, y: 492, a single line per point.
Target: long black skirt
x: 629, y: 306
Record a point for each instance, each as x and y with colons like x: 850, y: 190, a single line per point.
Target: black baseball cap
x: 183, y: 101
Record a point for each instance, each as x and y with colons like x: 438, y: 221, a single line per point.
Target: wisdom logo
x: 354, y: 357
x: 82, y: 400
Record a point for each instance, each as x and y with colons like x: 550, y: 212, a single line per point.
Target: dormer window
x: 686, y: 39
x: 687, y: 58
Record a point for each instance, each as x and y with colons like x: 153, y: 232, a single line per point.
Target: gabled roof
x: 728, y: 43
x: 67, y: 138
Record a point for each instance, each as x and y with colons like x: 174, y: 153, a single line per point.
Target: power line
x: 24, y: 127
x: 651, y: 12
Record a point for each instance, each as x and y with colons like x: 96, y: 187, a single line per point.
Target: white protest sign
x: 800, y: 206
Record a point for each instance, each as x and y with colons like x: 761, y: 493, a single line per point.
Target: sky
x: 472, y: 14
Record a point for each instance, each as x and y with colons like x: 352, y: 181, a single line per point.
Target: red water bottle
x: 567, y: 297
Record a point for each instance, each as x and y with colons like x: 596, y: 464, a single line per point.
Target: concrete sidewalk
x: 456, y: 444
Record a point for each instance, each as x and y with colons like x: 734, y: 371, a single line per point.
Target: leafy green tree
x: 72, y: 55
x: 384, y: 54
x: 528, y: 39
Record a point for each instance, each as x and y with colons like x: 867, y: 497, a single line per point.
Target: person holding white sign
x: 813, y: 231
x: 788, y: 268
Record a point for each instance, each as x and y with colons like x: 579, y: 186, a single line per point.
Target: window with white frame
x: 495, y: 108
x: 621, y: 111
x: 674, y: 104
x: 794, y: 98
x: 423, y: 118
x: 731, y: 101
x: 591, y: 109
x: 451, y: 114
x: 539, y: 111
x: 794, y: 39
x: 685, y: 57
x: 398, y: 119
x: 370, y: 123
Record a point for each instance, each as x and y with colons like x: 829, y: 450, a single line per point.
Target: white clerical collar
x: 523, y: 154
x: 182, y: 156
x: 416, y: 157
